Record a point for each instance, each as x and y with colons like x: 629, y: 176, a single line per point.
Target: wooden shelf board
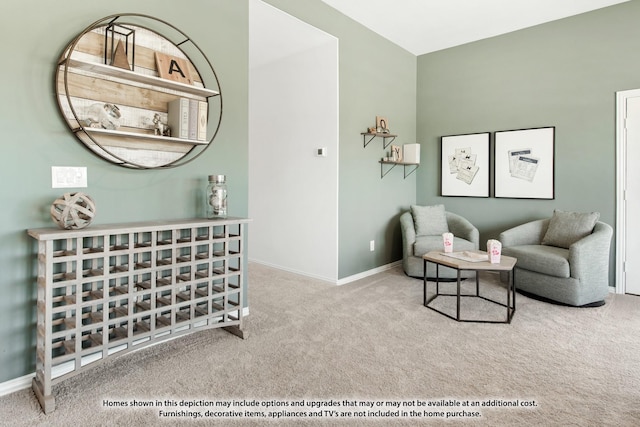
x: 388, y: 162
x: 141, y: 136
x: 383, y: 135
x: 108, y: 70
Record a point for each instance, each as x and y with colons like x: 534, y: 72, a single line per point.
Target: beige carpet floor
x: 371, y: 344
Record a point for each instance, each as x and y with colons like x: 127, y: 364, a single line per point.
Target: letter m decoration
x: 173, y: 68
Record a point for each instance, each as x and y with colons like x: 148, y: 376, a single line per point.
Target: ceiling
x: 423, y: 26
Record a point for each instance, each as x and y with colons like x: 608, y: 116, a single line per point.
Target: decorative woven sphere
x: 73, y: 211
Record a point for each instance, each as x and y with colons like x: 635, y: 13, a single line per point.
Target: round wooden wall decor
x: 138, y: 92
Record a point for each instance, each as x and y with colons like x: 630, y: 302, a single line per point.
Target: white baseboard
x: 294, y: 271
x: 368, y: 273
x: 24, y: 382
x: 338, y: 282
x: 17, y: 384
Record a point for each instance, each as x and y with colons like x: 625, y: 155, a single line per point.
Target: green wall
x: 376, y: 78
x: 563, y: 74
x: 35, y: 138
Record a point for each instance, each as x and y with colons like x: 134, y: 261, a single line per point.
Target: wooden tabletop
x: 53, y: 233
x: 506, y: 263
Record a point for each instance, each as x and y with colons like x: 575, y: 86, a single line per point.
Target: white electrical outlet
x: 372, y: 245
x: 68, y: 177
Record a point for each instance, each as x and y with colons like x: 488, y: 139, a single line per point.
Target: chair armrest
x: 408, y: 233
x: 461, y: 227
x: 530, y: 233
x: 589, y: 256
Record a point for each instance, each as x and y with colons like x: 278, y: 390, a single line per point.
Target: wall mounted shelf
x: 148, y: 136
x: 394, y: 164
x: 104, y: 70
x: 384, y: 136
x: 387, y: 165
x: 136, y: 92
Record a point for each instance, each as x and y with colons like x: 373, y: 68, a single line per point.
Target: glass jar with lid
x: 217, y: 196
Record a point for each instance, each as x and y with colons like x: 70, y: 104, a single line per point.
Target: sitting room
x: 269, y: 249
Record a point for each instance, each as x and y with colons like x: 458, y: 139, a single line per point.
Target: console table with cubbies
x: 107, y: 290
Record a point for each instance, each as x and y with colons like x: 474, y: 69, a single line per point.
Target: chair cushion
x: 566, y: 228
x: 426, y: 244
x: 429, y: 220
x: 549, y: 260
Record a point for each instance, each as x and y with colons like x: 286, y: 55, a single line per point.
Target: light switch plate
x: 68, y: 177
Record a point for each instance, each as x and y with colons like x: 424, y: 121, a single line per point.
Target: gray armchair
x: 572, y: 270
x: 416, y: 244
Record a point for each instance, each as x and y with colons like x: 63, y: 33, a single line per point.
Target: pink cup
x: 447, y: 240
x: 494, y: 248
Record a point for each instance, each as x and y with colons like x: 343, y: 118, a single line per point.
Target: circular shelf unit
x: 114, y: 92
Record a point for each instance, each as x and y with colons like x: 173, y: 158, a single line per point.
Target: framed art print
x: 465, y: 165
x: 525, y: 163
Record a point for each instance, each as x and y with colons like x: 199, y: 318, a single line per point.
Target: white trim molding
x: 368, y: 273
x: 16, y: 384
x: 338, y: 282
x: 621, y: 185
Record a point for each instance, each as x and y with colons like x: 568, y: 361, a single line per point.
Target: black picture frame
x: 464, y: 165
x: 524, y: 163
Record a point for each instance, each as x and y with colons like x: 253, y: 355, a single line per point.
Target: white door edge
x: 621, y: 176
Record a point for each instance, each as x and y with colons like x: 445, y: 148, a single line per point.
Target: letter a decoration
x: 173, y: 68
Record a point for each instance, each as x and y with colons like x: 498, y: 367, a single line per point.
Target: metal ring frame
x: 111, y: 19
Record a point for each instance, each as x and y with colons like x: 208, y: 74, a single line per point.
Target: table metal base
x: 510, y: 305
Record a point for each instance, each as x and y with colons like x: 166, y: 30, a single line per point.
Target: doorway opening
x: 293, y: 144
